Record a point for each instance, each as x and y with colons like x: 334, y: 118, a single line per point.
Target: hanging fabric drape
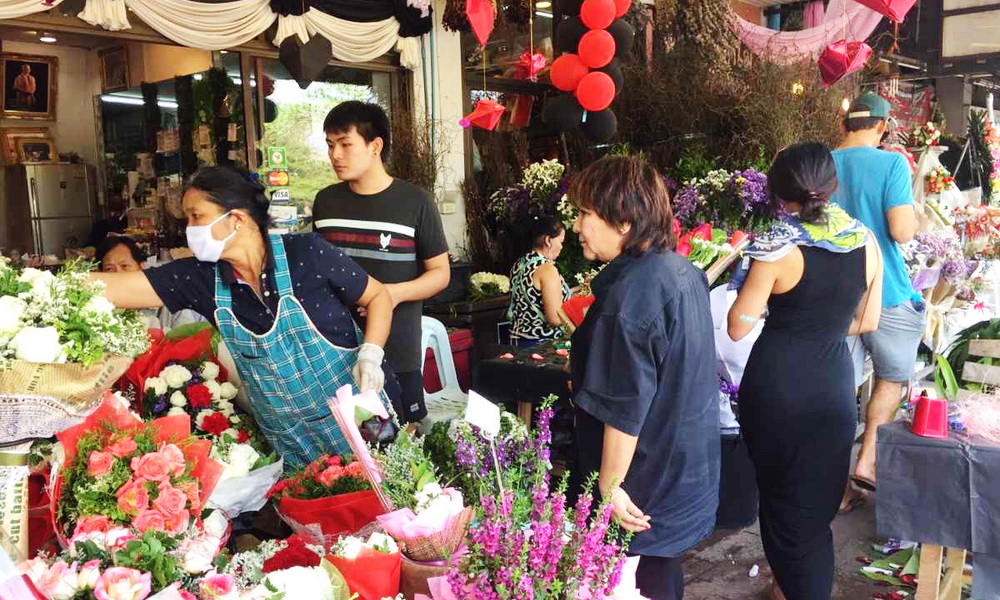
x: 109, y: 14
x: 352, y: 41
x: 844, y: 19
x: 215, y: 26
x: 14, y: 9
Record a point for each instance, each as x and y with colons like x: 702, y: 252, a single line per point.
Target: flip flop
x: 852, y: 505
x: 864, y: 483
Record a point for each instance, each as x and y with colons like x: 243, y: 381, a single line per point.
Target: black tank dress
x: 798, y: 415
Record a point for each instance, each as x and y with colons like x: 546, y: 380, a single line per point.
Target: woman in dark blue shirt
x: 281, y: 303
x: 644, y: 372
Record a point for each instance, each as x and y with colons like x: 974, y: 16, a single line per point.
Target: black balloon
x: 570, y: 7
x: 600, y: 126
x: 562, y: 113
x: 305, y: 62
x: 568, y: 34
x: 614, y: 70
x: 624, y: 34
x: 72, y: 7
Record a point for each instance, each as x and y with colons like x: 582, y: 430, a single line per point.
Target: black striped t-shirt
x: 389, y: 234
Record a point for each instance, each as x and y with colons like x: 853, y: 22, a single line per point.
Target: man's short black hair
x: 861, y: 123
x: 369, y: 119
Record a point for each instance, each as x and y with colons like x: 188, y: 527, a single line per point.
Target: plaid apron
x: 289, y: 372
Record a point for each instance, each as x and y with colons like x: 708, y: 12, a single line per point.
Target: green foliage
x: 9, y: 285
x: 406, y: 469
x: 958, y: 352
x: 440, y: 450
x: 150, y: 554
x: 944, y: 378
x: 695, y: 162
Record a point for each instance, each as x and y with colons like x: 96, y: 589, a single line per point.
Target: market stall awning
x: 358, y: 30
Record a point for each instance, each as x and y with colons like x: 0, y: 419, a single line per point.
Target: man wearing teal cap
x: 875, y: 187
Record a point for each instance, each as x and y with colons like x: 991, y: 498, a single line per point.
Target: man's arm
x: 902, y: 222
x: 436, y: 275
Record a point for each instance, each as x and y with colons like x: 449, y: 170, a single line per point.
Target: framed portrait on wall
x: 29, y: 86
x: 114, y: 69
x: 9, y: 137
x: 37, y: 150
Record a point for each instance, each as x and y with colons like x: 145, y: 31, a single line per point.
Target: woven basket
x: 37, y: 400
x: 441, y: 545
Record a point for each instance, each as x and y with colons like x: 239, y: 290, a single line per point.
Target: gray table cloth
x: 944, y: 492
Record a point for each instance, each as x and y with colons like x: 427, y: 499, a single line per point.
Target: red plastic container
x: 930, y: 419
x: 461, y: 352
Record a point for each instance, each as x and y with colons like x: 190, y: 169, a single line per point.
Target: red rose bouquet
x: 327, y: 498
x: 151, y: 476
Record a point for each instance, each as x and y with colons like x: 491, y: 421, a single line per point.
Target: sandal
x: 863, y: 483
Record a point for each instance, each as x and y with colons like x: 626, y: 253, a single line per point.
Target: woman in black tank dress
x: 797, y: 396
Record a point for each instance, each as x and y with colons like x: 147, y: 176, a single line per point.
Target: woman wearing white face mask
x: 282, y: 304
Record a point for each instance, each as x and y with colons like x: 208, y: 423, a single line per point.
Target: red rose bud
x: 242, y: 436
x: 703, y: 231
x: 738, y: 236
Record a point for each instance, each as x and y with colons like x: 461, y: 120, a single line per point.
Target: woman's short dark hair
x: 541, y: 227
x: 113, y: 241
x: 627, y: 190
x: 369, y: 119
x: 807, y: 175
x: 231, y: 188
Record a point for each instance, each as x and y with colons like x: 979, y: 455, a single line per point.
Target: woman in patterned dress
x: 537, y: 290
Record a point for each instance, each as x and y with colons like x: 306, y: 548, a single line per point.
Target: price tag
x: 483, y: 414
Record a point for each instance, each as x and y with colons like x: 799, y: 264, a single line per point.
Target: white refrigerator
x: 46, y: 207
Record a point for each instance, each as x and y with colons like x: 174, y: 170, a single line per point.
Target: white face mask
x: 204, y: 246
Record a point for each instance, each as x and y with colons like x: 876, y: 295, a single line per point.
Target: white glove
x: 368, y: 371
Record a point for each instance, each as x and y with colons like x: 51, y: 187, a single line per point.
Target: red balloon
x: 621, y: 7
x: 567, y: 71
x: 596, y: 91
x: 597, y: 48
x: 597, y: 14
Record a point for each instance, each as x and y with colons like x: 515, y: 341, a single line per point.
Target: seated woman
x: 120, y: 254
x: 536, y: 288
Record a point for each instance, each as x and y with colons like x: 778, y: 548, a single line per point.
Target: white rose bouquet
x: 488, y: 285
x: 199, y: 389
x: 46, y: 318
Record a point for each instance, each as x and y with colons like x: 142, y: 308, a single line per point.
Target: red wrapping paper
x: 372, y: 575
x: 335, y: 515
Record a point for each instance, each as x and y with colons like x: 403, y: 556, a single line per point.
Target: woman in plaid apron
x: 282, y: 304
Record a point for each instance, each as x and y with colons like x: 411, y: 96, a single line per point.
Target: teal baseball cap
x: 869, y: 105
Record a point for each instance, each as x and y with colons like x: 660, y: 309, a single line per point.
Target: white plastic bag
x: 248, y: 493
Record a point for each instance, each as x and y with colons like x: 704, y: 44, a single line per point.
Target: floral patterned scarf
x: 841, y: 233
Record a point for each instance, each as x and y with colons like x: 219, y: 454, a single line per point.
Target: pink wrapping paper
x: 342, y: 405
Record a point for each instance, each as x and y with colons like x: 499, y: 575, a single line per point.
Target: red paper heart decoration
x: 894, y: 9
x: 842, y: 58
x: 481, y: 15
x: 485, y: 115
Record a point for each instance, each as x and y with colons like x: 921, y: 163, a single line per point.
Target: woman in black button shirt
x: 644, y: 372
x: 282, y: 304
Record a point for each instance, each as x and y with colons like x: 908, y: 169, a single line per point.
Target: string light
x: 798, y: 89
x: 845, y: 104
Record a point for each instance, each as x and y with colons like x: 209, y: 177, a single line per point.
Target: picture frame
x: 28, y: 89
x: 37, y: 150
x: 9, y: 137
x: 114, y: 69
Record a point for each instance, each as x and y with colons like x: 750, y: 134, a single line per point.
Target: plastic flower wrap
x: 357, y: 559
x: 151, y: 476
x: 329, y: 497
x: 488, y: 285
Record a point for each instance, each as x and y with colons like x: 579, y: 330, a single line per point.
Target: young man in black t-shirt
x: 390, y: 227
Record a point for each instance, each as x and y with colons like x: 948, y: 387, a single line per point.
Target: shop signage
x: 277, y: 178
x: 277, y: 157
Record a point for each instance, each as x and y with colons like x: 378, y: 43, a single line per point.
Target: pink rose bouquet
x: 121, y: 472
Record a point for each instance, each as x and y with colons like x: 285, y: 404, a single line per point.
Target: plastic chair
x: 447, y: 403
